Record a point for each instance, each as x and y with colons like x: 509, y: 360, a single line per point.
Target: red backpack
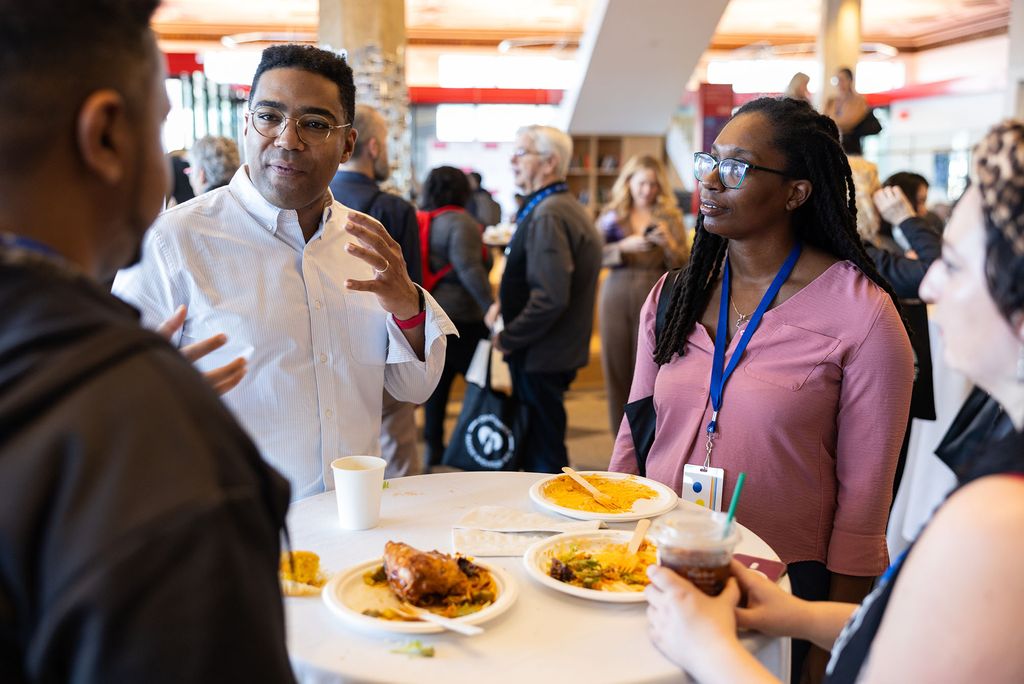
x: 425, y: 218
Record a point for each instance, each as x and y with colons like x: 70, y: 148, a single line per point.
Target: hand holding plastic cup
x: 697, y: 544
x: 358, y: 483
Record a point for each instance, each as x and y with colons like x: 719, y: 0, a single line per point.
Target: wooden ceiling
x: 906, y: 24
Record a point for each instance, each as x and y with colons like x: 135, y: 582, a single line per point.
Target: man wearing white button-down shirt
x: 317, y: 295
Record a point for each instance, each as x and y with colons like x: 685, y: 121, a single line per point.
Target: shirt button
x: 323, y: 358
x: 318, y: 305
x: 329, y: 413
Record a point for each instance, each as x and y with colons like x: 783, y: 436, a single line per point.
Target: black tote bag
x: 490, y: 430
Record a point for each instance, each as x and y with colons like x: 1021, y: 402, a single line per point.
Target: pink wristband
x: 413, y: 322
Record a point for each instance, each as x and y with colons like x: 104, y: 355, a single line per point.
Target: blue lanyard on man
x: 538, y: 198
x: 719, y: 371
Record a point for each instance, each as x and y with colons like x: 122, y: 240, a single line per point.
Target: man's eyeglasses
x: 312, y: 129
x: 520, y: 153
x: 731, y: 172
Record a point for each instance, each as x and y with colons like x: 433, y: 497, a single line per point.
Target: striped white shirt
x: 319, y: 354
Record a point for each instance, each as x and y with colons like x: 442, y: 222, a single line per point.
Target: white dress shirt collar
x: 277, y: 221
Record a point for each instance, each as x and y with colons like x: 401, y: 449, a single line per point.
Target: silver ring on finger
x: 378, y: 271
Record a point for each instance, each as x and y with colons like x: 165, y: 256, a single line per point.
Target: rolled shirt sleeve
x: 407, y: 378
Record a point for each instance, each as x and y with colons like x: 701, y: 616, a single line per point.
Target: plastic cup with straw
x: 727, y: 528
x: 698, y: 544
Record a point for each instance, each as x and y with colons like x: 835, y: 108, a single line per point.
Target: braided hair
x: 827, y: 220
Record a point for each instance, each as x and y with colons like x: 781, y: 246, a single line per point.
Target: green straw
x: 732, y: 506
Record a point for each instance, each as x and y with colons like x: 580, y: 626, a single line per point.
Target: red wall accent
x: 435, y: 95
x: 182, y: 63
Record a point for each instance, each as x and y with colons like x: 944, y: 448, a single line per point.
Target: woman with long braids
x: 948, y: 610
x: 779, y: 284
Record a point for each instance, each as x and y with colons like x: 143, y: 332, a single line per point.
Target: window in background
x: 488, y: 122
x: 177, y: 131
x: 773, y: 75
x: 505, y: 71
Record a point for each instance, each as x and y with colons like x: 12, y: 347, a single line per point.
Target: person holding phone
x: 644, y: 236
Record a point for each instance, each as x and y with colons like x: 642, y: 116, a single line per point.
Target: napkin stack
x: 501, y: 531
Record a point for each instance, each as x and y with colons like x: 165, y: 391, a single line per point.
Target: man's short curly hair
x: 54, y: 53
x: 331, y: 66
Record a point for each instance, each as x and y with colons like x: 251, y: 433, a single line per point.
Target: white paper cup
x: 358, y: 482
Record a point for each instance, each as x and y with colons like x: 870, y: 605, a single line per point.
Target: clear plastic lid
x: 693, y: 528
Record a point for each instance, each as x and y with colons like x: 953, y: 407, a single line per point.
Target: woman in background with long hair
x: 644, y: 237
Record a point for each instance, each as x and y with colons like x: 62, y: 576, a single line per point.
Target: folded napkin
x: 501, y: 531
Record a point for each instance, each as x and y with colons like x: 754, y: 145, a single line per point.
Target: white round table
x: 546, y: 636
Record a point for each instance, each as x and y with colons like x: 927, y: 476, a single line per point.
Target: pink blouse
x: 814, y: 414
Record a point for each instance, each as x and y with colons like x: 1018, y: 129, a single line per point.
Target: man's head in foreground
x: 84, y: 82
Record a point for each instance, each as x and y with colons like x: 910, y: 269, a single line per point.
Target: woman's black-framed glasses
x: 312, y: 129
x: 731, y: 172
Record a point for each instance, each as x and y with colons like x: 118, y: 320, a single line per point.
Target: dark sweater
x: 139, y: 527
x: 905, y: 276
x: 465, y: 293
x: 548, y: 287
x: 398, y: 217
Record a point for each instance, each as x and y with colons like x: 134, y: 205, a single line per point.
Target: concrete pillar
x: 1015, y: 69
x: 372, y: 34
x: 838, y: 42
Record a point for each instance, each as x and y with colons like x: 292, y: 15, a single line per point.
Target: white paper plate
x: 347, y: 596
x: 665, y: 500
x: 537, y: 560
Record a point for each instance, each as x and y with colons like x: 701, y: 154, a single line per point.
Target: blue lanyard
x: 11, y: 241
x: 538, y: 198
x: 719, y: 371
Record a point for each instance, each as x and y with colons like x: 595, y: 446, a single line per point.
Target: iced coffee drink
x: 694, y: 544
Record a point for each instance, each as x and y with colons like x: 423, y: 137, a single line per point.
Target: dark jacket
x: 548, y: 287
x: 398, y: 217
x: 979, y: 421
x: 905, y: 276
x: 465, y: 293
x: 994, y: 456
x: 483, y: 208
x: 139, y: 527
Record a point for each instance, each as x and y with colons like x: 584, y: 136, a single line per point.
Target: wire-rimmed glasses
x: 312, y: 129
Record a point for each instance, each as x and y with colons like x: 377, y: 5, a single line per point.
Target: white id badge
x: 703, y: 486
